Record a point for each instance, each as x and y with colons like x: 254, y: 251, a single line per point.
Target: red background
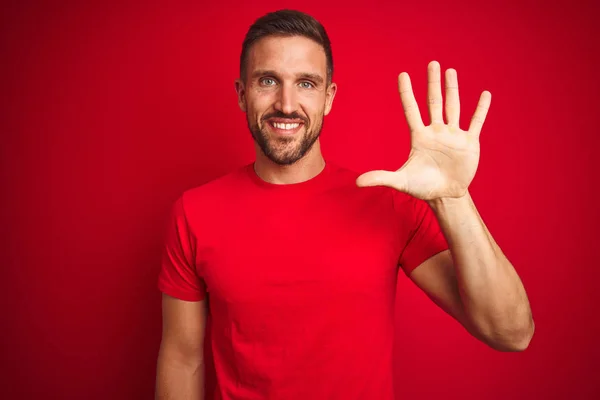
x: 109, y: 111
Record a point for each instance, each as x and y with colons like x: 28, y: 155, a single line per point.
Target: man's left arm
x: 474, y: 282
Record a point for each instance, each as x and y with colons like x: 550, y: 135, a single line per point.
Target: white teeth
x: 285, y: 126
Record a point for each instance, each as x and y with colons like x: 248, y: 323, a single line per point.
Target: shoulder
x: 214, y: 191
x: 405, y: 207
x: 344, y: 178
x: 344, y: 173
x: 377, y: 201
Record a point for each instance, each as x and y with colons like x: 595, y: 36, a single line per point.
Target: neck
x: 302, y: 170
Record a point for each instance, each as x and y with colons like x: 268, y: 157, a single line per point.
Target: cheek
x: 313, y: 101
x: 313, y: 109
x: 260, y: 105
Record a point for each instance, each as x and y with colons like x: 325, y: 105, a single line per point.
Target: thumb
x: 380, y: 178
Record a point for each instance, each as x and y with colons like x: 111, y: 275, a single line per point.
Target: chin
x: 284, y: 158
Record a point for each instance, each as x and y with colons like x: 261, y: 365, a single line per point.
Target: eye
x: 267, y: 81
x: 306, y: 85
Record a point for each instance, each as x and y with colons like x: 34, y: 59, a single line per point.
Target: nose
x: 286, y: 100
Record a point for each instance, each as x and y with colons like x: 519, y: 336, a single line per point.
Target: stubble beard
x: 285, y: 150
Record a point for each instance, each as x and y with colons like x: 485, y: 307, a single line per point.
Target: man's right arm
x: 180, y: 365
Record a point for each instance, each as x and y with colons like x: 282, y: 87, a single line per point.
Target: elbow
x: 181, y: 356
x: 515, y: 339
x: 518, y: 344
x: 525, y: 337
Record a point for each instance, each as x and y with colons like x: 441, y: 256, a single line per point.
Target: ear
x: 330, y: 95
x: 241, y: 94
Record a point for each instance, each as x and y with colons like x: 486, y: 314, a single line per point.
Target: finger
x: 434, y: 92
x: 409, y: 103
x: 452, y: 106
x: 480, y: 113
x: 380, y: 178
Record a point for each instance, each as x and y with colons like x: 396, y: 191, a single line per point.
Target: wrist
x: 450, y: 203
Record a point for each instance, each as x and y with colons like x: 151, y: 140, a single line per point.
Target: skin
x: 180, y: 364
x: 286, y: 77
x: 473, y: 281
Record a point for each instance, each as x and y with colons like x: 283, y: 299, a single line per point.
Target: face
x: 285, y: 96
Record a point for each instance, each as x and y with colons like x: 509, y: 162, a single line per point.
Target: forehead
x: 287, y: 55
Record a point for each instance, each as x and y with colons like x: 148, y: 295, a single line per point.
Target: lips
x: 285, y: 127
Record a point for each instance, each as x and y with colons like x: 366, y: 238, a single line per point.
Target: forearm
x: 179, y: 379
x: 494, y: 300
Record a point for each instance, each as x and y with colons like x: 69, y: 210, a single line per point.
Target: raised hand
x: 443, y: 158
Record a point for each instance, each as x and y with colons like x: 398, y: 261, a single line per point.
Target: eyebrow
x: 304, y: 75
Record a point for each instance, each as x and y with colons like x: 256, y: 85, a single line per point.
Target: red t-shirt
x: 301, y: 280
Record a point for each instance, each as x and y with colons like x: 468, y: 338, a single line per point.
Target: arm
x: 180, y: 366
x: 474, y: 282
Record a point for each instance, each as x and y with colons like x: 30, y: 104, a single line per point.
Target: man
x: 299, y: 257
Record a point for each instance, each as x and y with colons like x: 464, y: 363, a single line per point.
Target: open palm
x: 443, y: 158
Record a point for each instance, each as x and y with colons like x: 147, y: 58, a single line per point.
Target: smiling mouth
x: 285, y: 128
x: 281, y: 125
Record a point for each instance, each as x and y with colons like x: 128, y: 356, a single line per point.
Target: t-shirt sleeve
x: 421, y: 234
x: 178, y: 275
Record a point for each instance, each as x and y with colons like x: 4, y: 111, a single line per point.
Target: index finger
x: 481, y: 111
x: 409, y: 103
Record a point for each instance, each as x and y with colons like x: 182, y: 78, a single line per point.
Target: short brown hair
x: 287, y: 23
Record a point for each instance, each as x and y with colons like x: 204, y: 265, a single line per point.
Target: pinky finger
x: 480, y: 113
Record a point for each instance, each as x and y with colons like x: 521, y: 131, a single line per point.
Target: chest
x: 316, y: 251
